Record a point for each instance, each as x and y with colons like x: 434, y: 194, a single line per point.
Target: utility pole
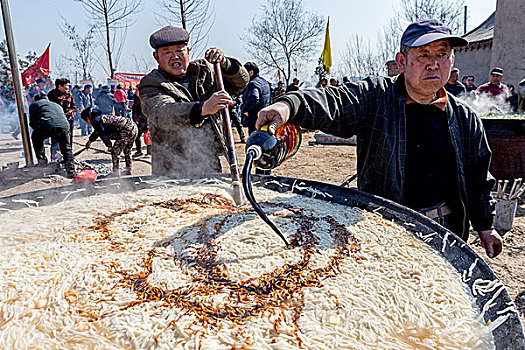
x: 465, y: 22
x: 17, y: 82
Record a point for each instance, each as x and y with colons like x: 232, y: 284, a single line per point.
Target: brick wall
x: 476, y: 63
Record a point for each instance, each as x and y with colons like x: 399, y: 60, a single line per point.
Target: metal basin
x: 509, y: 335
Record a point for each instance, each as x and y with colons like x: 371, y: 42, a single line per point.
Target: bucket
x: 505, y: 212
x: 86, y: 175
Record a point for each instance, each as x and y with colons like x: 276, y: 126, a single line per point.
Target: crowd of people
x: 501, y: 97
x: 109, y: 118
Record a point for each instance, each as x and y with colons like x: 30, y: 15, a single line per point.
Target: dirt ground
x: 330, y: 164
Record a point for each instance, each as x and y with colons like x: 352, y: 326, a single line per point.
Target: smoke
x: 484, y: 104
x: 8, y: 117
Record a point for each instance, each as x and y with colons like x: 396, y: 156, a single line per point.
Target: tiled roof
x: 483, y: 32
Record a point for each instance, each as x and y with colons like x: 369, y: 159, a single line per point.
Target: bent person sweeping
x: 112, y: 127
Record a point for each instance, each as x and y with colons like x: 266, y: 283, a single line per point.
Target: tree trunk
x: 182, y: 14
x: 108, y: 44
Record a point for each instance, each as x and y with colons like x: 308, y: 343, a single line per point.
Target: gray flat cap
x: 168, y: 36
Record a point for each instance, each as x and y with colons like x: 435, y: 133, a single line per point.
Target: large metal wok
x: 509, y: 335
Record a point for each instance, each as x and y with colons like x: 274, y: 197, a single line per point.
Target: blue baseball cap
x: 425, y: 31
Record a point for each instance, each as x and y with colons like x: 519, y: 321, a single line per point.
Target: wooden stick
x: 498, y: 193
x: 513, y: 188
x: 519, y: 193
x: 505, y: 184
x: 230, y: 145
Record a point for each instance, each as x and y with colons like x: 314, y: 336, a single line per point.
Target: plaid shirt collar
x: 441, y: 96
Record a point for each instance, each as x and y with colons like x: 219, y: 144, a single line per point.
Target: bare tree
x: 449, y: 12
x: 360, y: 60
x: 141, y: 64
x: 83, y: 45
x: 112, y: 17
x: 65, y: 68
x: 389, y: 38
x: 285, y: 35
x: 193, y: 15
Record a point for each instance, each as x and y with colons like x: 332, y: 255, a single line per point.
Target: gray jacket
x: 105, y: 102
x: 85, y: 100
x: 183, y: 142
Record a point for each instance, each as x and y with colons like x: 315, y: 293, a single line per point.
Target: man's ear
x: 401, y: 62
x: 156, y: 56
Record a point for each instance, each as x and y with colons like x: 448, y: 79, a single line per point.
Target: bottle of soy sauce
x: 269, y: 151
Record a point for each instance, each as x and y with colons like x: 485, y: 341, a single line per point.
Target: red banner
x: 128, y: 79
x: 38, y: 69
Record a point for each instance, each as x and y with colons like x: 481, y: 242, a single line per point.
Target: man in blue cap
x: 416, y: 144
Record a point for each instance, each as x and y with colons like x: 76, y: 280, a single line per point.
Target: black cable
x: 247, y: 185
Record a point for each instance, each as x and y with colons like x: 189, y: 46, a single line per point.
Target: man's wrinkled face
x: 173, y: 59
x: 427, y: 68
x: 495, y: 79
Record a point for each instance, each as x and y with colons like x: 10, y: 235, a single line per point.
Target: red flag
x: 38, y: 69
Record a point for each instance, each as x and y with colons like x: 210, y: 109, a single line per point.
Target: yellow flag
x: 326, y: 55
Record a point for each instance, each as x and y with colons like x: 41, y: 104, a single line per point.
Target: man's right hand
x: 216, y: 102
x: 274, y: 115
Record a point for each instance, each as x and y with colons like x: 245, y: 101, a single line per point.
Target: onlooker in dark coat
x: 61, y: 95
x: 513, y: 98
x: 142, y: 124
x: 105, y: 101
x: 453, y: 85
x: 85, y: 100
x: 293, y: 86
x: 256, y: 96
x: 48, y: 120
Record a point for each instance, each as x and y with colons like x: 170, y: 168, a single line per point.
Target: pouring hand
x: 275, y: 115
x: 492, y: 242
x: 216, y: 102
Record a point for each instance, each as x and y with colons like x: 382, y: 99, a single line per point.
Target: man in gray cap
x: 416, y: 144
x: 181, y: 101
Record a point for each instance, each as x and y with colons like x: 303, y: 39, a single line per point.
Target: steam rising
x: 484, y: 104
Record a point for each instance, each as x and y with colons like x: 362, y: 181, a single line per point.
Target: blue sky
x: 36, y: 23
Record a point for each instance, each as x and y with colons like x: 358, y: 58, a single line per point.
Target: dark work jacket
x: 256, y: 96
x: 374, y: 110
x: 44, y: 114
